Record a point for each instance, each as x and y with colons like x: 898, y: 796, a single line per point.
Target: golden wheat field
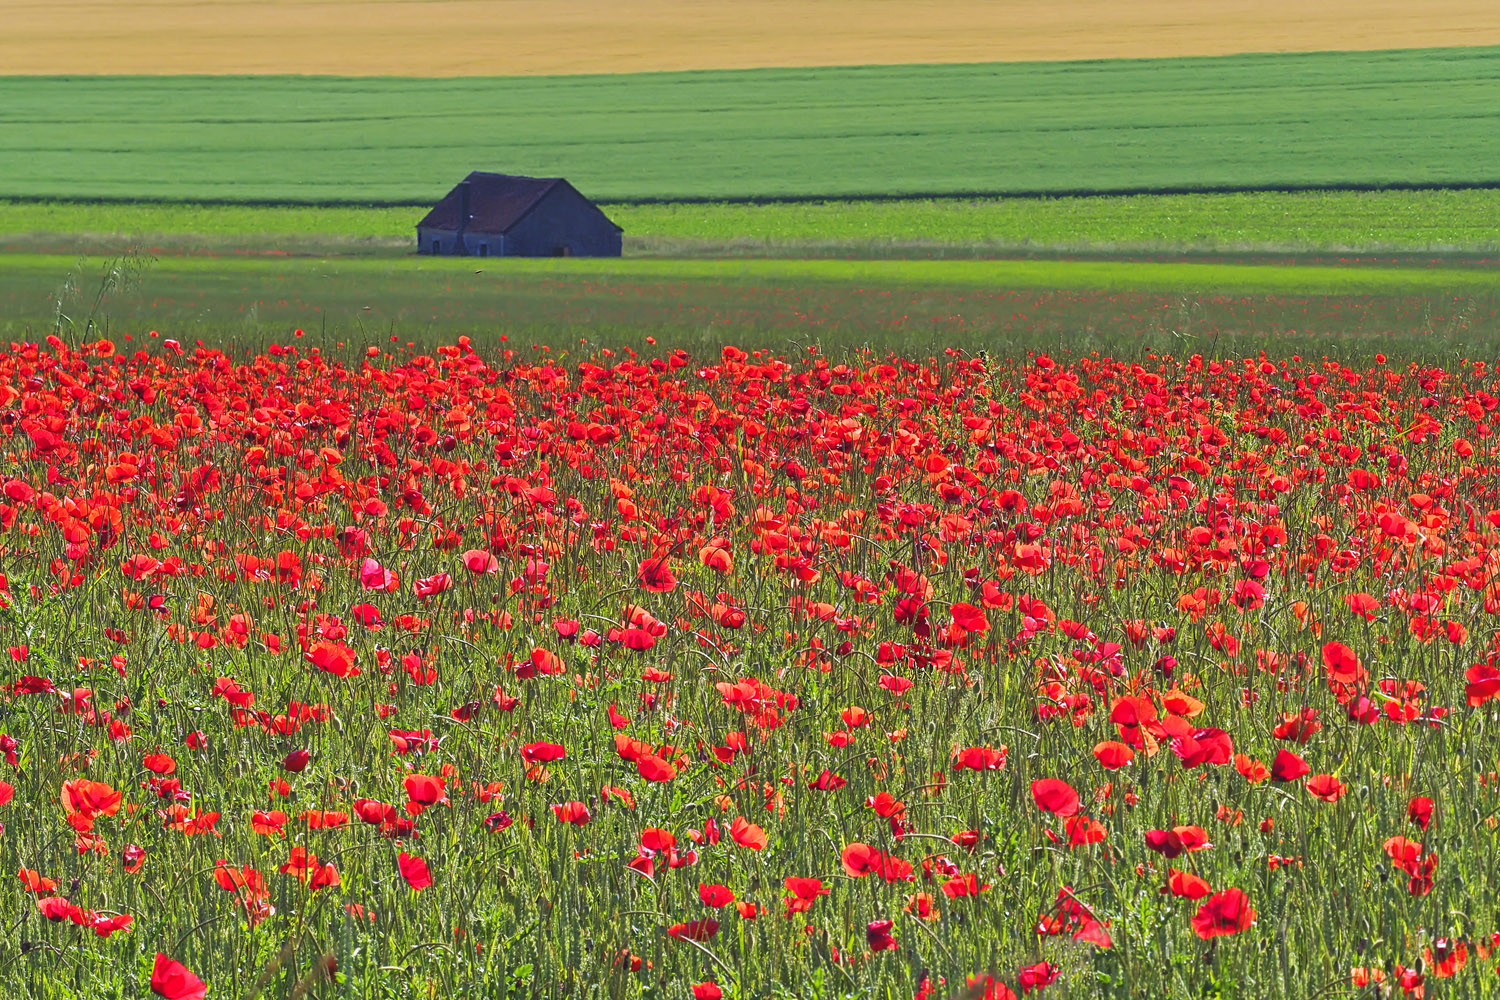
x: 503, y: 37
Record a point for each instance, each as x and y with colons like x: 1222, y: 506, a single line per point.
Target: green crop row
x: 1416, y: 117
x: 1334, y: 221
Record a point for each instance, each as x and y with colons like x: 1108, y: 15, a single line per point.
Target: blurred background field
x: 1360, y: 120
x: 417, y: 37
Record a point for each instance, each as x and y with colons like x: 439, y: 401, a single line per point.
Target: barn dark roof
x: 496, y: 202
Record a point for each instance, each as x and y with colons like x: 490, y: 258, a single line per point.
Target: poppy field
x: 396, y: 673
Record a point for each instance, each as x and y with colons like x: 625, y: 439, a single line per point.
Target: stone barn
x: 502, y: 215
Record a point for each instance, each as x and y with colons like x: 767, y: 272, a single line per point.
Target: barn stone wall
x: 565, y: 224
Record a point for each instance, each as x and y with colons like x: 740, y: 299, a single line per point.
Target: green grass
x: 1422, y: 117
x: 1261, y: 220
x: 1268, y: 221
x: 908, y: 305
x: 378, y: 275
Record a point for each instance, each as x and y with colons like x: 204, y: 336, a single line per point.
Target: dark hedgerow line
x: 770, y: 201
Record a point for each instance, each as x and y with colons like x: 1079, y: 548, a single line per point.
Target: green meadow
x: 910, y: 305
x: 1376, y: 119
x: 1435, y: 221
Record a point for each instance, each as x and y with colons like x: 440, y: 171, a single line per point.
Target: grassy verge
x: 1422, y: 117
x: 910, y: 305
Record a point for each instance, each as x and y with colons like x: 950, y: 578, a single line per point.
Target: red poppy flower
x: 105, y: 926
x: 969, y: 618
x: 160, y: 763
x: 426, y: 789
x: 983, y: 987
x: 805, y: 888
x: 479, y: 561
x: 1034, y: 977
x: 1342, y: 664
x: 324, y: 876
x: 1224, y: 913
x: 333, y: 658
x: 172, y: 980
x: 747, y: 834
x: 1055, y: 796
x: 715, y: 895
x: 1483, y: 684
x: 878, y: 934
x: 862, y: 859
x: 1165, y: 842
x: 544, y: 661
x: 300, y: 863
x: 960, y: 886
x: 534, y: 753
x: 56, y: 908
x: 32, y: 881
x: 1082, y: 831
x: 1253, y: 770
x: 694, y: 930
x: 653, y: 768
x: 1186, y: 884
x: 656, y: 575
x: 373, y: 576
x: 89, y: 799
x: 979, y: 759
x: 1288, y: 766
x: 433, y: 585
x: 572, y: 812
x: 717, y: 557
x: 414, y: 870
x: 1326, y: 787
x: 1446, y: 957
x: 374, y: 812
x: 1113, y: 755
x: 268, y: 822
x: 1204, y: 746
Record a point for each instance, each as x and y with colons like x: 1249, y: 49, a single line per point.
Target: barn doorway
x: 437, y: 246
x: 484, y: 249
x: 562, y: 251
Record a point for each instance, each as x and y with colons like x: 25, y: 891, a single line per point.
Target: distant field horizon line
x: 768, y: 68
x: 381, y: 37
